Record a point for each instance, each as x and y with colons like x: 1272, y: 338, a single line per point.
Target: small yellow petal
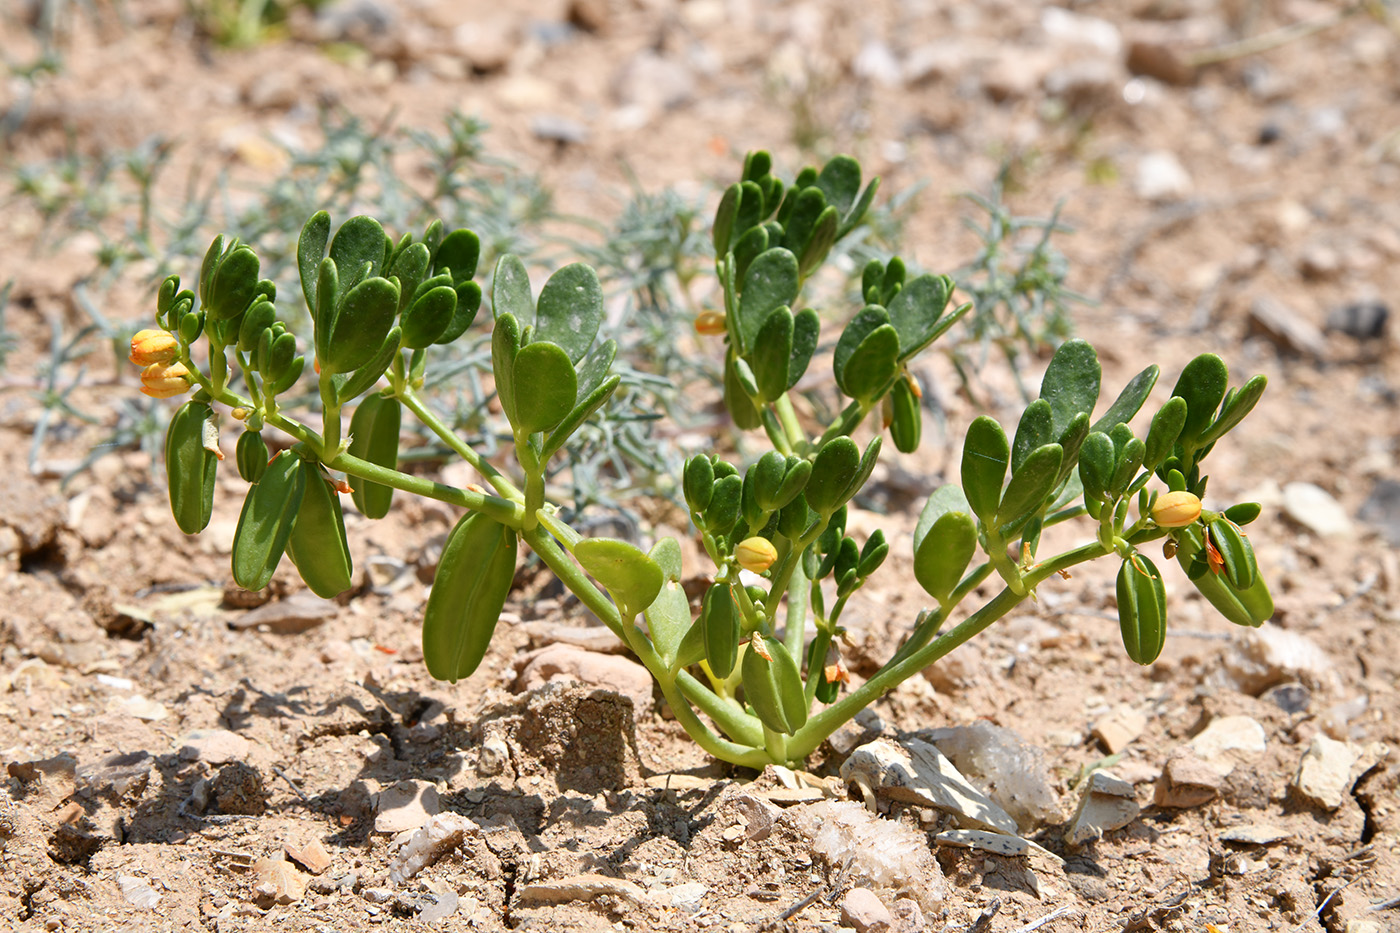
x: 165, y: 380
x: 153, y: 346
x: 755, y: 554
x: 1176, y: 509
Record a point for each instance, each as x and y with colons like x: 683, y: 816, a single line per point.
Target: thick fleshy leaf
x: 473, y: 578
x: 1071, y: 383
x: 458, y: 253
x: 770, y: 282
x: 747, y: 248
x: 723, y: 230
x: 505, y: 344
x: 311, y: 249
x: 942, y: 556
x: 1236, y: 553
x: 819, y: 243
x: 867, y: 320
x: 720, y: 630
x: 1129, y: 402
x: 857, y: 213
x: 946, y: 498
x: 806, y: 332
x: 364, y: 378
x: 510, y: 291
x: 410, y: 267
x: 915, y: 311
x: 1202, y: 384
x: 872, y: 366
x: 234, y: 285
x: 624, y: 570
x: 1036, y: 429
x: 1165, y: 429
x: 835, y: 466
x: 1142, y: 609
x: 468, y: 303
x: 1029, y: 485
x: 771, y: 354
x: 1097, y: 461
x: 736, y: 400
x: 1237, y: 404
x: 986, y: 454
x: 751, y: 210
x: 668, y: 616
x: 546, y: 387
x: 428, y: 316
x: 356, y: 331
x: 359, y: 241
x: 570, y: 310
x: 799, y: 225
x: 581, y: 412
x: 840, y: 182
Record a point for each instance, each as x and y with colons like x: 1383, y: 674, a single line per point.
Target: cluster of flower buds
x: 162, y: 376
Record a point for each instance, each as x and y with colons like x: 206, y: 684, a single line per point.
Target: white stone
x: 1329, y: 768
x: 1161, y: 177
x: 1105, y: 804
x: 1077, y: 29
x: 214, y: 746
x: 995, y: 843
x: 918, y: 773
x: 1119, y: 728
x: 1314, y: 508
x: 862, y: 909
x: 437, y: 836
x: 1224, y: 736
x: 406, y: 805
x: 1260, y: 659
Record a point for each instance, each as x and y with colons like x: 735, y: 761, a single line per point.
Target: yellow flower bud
x: 755, y: 554
x: 165, y: 380
x: 153, y: 346
x: 239, y: 414
x: 1176, y: 509
x: 710, y: 323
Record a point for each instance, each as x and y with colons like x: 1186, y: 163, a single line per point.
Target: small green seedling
x: 755, y: 676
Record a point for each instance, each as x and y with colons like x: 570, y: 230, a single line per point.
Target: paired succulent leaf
x: 945, y: 541
x: 473, y: 579
x: 1142, y: 609
x: 265, y: 524
x: 625, y: 571
x: 191, y: 460
x: 317, y: 544
x: 374, y: 437
x: 773, y: 686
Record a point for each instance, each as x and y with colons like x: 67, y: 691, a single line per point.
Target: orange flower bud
x: 755, y: 554
x: 914, y: 387
x: 165, y: 380
x: 153, y: 346
x: 710, y: 323
x: 1176, y: 509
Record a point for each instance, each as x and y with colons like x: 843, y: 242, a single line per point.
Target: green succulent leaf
x: 723, y: 231
x: 1071, y: 383
x: 772, y: 353
x: 359, y: 242
x: 942, y: 554
x: 473, y: 579
x: 311, y: 249
x: 1234, y: 408
x: 593, y: 369
x: 234, y: 285
x: 668, y: 616
x: 363, y: 379
x: 836, y: 465
x: 624, y: 570
x: 570, y: 310
x: 840, y: 182
x: 1026, y: 493
x: 1129, y: 402
x: 1202, y: 384
x: 720, y: 629
x: 867, y: 321
x: 773, y: 688
x: 986, y: 455
x: 1035, y: 430
x: 510, y: 291
x: 190, y: 467
x: 428, y: 316
x: 374, y: 436
x: 505, y: 345
x: 915, y: 311
x: 1097, y: 462
x: 873, y: 365
x: 1165, y: 429
x: 770, y: 282
x: 581, y: 412
x: 545, y: 386
x: 317, y: 545
x: 1236, y: 553
x: 354, y: 334
x: 806, y: 331
x: 266, y: 521
x: 1142, y: 609
x: 410, y: 267
x: 749, y: 247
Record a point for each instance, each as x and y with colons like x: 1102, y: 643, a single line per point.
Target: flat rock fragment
x: 1118, y: 729
x: 138, y: 892
x: 1315, y: 509
x: 995, y: 843
x: 580, y: 888
x: 312, y: 856
x: 405, y: 805
x: 1105, y: 804
x: 1258, y: 834
x: 214, y: 746
x: 1187, y: 781
x: 1329, y: 768
x: 1225, y: 738
x: 278, y: 881
x: 862, y: 909
x: 297, y: 613
x: 918, y: 773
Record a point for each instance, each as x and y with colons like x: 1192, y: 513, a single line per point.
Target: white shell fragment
x: 434, y: 839
x: 918, y: 773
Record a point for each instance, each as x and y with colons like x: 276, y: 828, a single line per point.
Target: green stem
x: 578, y: 583
x: 846, y: 422
x: 810, y: 736
x: 504, y: 511
x: 330, y: 417
x: 798, y: 592
x: 787, y: 416
x: 498, y: 481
